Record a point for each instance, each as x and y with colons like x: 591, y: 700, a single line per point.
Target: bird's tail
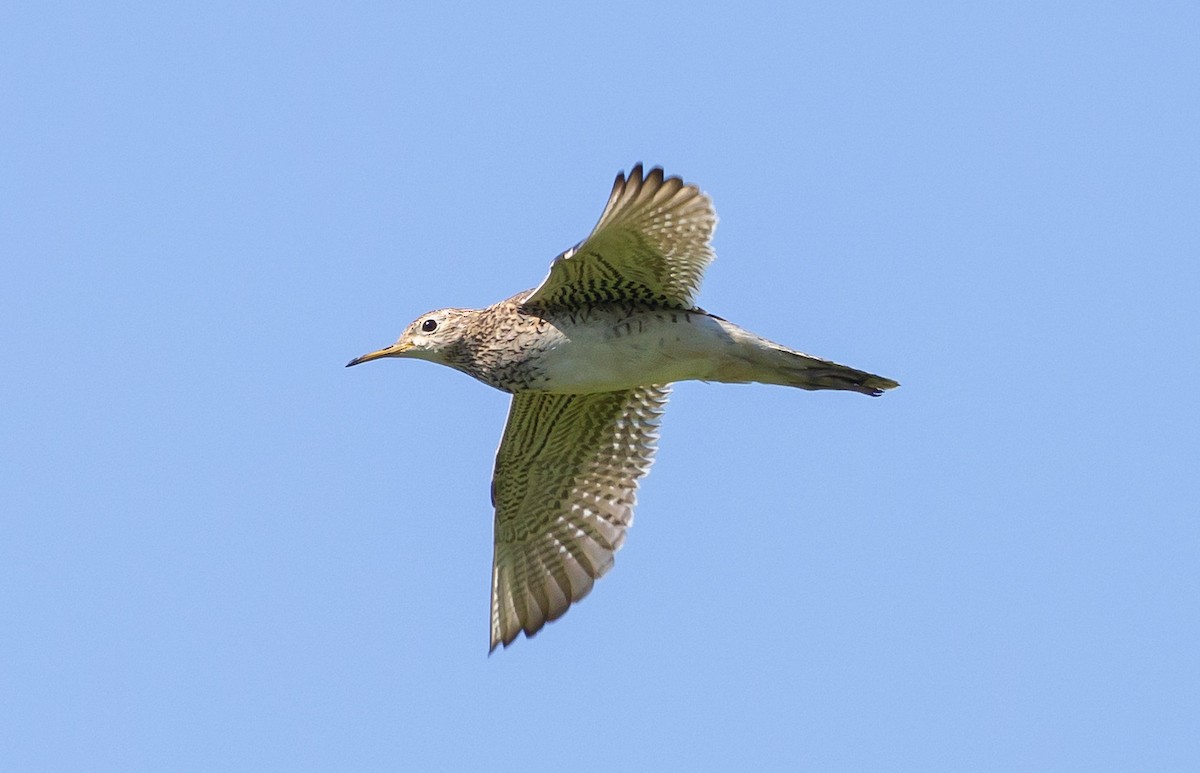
x: 780, y: 365
x: 753, y: 358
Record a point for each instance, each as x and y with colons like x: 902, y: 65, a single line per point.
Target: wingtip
x: 498, y: 643
x: 653, y: 180
x: 638, y: 174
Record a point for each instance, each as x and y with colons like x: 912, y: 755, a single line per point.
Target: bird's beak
x: 395, y: 350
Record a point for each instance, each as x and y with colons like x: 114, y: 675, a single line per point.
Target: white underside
x: 647, y: 348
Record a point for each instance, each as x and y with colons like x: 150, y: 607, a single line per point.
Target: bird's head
x: 427, y: 338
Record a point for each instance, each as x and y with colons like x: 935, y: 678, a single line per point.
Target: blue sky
x: 220, y: 550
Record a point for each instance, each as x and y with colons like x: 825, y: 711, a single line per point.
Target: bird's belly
x: 630, y: 350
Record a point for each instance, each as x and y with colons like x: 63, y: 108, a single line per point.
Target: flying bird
x: 588, y: 356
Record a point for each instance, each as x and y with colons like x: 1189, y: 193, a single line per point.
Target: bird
x: 589, y: 356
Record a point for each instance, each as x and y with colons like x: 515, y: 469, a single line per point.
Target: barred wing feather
x: 651, y: 246
x: 563, y: 489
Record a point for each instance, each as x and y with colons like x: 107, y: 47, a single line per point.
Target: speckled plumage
x: 588, y: 355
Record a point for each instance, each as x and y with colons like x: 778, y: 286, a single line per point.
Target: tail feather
x: 753, y: 358
x: 808, y: 372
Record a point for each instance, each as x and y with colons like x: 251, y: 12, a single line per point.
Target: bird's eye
x: 429, y: 325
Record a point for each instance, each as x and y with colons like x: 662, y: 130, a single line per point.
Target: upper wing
x: 566, y: 473
x: 650, y: 246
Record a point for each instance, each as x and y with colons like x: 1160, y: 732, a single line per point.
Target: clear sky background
x: 220, y: 550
